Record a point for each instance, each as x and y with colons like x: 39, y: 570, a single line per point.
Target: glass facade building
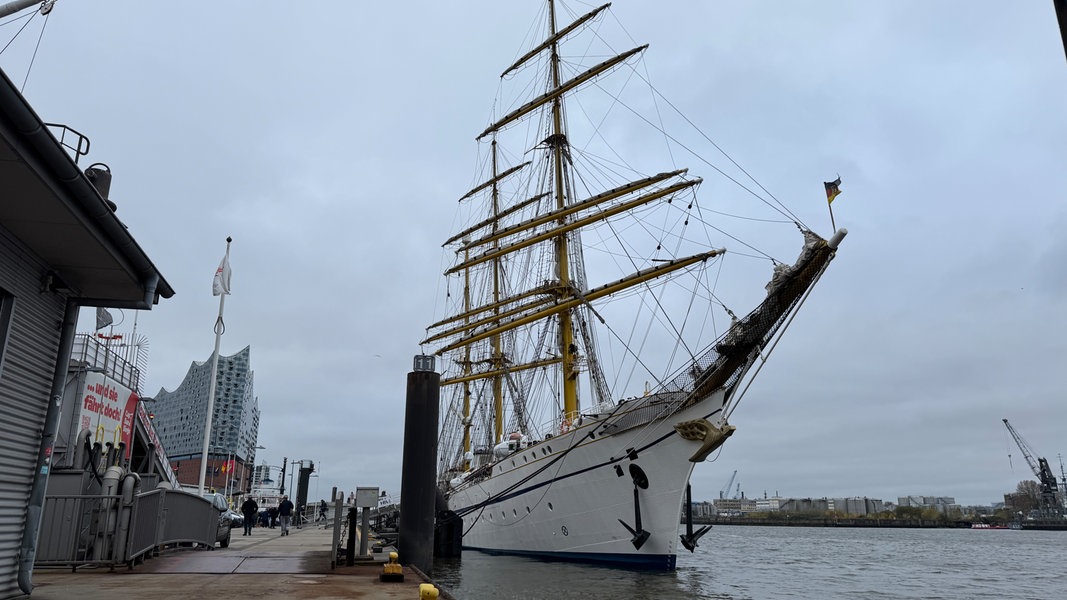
x: 180, y: 419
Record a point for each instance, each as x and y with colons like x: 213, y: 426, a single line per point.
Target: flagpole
x: 229, y: 473
x: 219, y: 328
x: 833, y: 190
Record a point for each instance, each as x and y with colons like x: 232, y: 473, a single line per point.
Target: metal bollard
x: 392, y: 571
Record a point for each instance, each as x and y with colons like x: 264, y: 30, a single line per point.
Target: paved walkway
x: 264, y: 565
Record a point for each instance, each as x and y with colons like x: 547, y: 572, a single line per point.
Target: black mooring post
x: 418, y: 481
x: 350, y: 546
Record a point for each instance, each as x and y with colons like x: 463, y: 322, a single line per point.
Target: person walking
x: 251, y: 512
x: 272, y: 517
x: 322, y: 511
x: 285, y: 514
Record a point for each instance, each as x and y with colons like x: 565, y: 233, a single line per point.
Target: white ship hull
x: 564, y: 497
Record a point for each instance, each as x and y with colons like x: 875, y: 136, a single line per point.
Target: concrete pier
x: 263, y: 565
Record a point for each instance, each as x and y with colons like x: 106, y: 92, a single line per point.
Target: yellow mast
x: 567, y: 347
x: 467, y: 370
x: 497, y: 358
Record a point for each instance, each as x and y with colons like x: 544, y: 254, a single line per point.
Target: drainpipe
x: 130, y: 484
x: 80, y: 448
x: 28, y: 550
x: 107, y: 518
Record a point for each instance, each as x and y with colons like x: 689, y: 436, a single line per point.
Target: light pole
x: 244, y: 469
x: 212, y: 484
x: 293, y: 472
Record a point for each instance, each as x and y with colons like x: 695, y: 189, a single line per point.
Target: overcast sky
x: 331, y: 140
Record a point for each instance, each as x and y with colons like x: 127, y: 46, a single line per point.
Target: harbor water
x: 749, y: 562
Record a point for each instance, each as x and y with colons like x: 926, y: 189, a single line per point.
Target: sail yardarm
x: 510, y: 369
x: 494, y: 316
x: 555, y: 38
x: 559, y: 91
x: 557, y: 215
x: 495, y: 218
x: 578, y: 223
x: 493, y: 180
x: 604, y: 290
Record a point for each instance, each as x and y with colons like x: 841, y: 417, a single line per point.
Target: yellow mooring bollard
x: 392, y: 571
x: 427, y: 591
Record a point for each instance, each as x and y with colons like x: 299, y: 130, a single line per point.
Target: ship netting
x: 727, y: 359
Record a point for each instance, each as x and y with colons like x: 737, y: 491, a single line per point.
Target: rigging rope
x: 35, y: 48
x: 19, y: 32
x: 732, y: 403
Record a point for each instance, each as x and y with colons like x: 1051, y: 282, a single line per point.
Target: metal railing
x: 77, y: 145
x: 78, y: 530
x: 73, y: 530
x: 111, y: 358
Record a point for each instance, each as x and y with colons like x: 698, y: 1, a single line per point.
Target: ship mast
x: 467, y: 371
x: 562, y: 293
x: 497, y: 358
x: 567, y: 348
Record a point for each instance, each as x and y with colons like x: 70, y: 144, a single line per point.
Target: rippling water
x: 735, y: 562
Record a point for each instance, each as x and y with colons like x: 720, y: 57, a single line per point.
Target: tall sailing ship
x: 589, y: 355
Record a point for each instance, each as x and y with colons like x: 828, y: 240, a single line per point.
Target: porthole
x: 503, y: 515
x: 527, y: 510
x: 524, y: 459
x: 514, y: 513
x: 550, y: 506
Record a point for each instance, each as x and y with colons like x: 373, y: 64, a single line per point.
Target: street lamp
x: 244, y: 468
x: 212, y: 484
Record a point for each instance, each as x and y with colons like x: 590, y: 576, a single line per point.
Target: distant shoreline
x: 793, y: 521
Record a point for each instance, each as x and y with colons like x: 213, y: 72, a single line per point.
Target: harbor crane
x: 726, y: 489
x: 1050, y: 501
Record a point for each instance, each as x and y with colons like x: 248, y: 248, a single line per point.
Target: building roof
x: 51, y: 206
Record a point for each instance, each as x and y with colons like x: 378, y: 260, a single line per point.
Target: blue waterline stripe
x: 658, y: 562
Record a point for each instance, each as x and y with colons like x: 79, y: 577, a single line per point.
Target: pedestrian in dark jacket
x: 251, y: 511
x: 285, y: 513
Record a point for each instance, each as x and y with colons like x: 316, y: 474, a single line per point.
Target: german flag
x: 833, y: 189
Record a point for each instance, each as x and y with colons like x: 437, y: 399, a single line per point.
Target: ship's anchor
x: 689, y: 540
x: 640, y: 536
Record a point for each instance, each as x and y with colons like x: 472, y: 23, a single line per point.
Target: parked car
x: 236, y: 518
x: 226, y: 523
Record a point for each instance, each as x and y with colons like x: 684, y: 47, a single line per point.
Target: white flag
x: 103, y: 318
x: 221, y: 285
